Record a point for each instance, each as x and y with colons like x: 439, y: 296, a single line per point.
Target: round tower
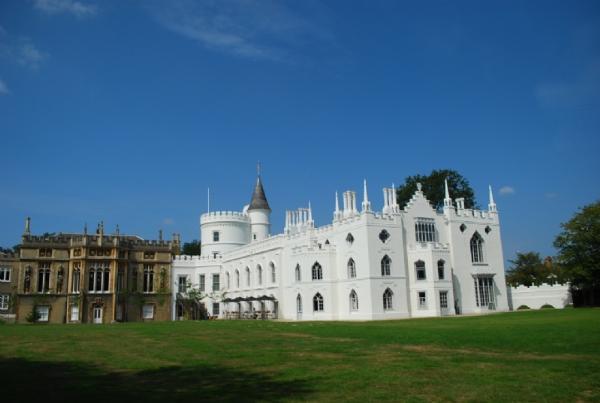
x: 223, y: 231
x: 259, y: 213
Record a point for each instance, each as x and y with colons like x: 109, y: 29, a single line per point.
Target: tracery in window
x: 99, y: 277
x: 386, y: 264
x: 476, y: 248
x: 351, y: 268
x: 484, y: 292
x: 318, y: 302
x: 388, y: 299
x: 298, y: 273
x: 420, y: 270
x: 317, y: 271
x: 350, y: 239
x: 353, y: 301
x: 384, y: 236
x: 299, y: 304
x: 425, y: 230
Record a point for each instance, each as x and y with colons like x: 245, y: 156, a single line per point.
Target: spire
x: 366, y: 205
x: 259, y: 200
x: 27, y: 221
x: 447, y: 199
x: 492, y: 205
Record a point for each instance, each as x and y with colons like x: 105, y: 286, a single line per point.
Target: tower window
x: 420, y: 269
x: 216, y: 236
x: 425, y: 230
x: 384, y: 236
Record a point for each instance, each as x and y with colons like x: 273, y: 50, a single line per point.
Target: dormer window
x: 425, y: 230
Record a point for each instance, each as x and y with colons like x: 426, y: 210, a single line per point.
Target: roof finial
x: 258, y: 168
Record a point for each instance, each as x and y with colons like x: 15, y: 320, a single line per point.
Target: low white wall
x: 536, y: 296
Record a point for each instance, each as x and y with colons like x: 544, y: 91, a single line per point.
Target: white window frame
x: 216, y: 236
x: 99, y: 270
x: 181, y: 284
x: 202, y: 283
x: 420, y: 268
x: 44, y: 312
x: 4, y: 299
x: 476, y: 245
x: 216, y: 309
x: 216, y: 280
x: 422, y: 299
x: 484, y: 291
x: 299, y: 303
x: 351, y: 268
x: 443, y: 299
x: 298, y: 273
x: 441, y: 269
x: 388, y: 300
x: 259, y: 274
x: 386, y: 266
x: 74, y: 313
x: 44, y: 269
x: 318, y: 303
x: 273, y: 273
x: 317, y: 271
x: 425, y: 230
x: 5, y: 274
x: 148, y: 311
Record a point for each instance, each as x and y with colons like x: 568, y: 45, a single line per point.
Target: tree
x: 579, y: 249
x: 433, y: 188
x: 528, y: 269
x: 33, y: 315
x: 191, y: 248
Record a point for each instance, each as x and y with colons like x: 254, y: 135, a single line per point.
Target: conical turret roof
x: 259, y: 200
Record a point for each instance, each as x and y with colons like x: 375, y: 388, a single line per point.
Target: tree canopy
x: 579, y: 247
x: 191, y: 248
x: 433, y: 188
x: 528, y: 269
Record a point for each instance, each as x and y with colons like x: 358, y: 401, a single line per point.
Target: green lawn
x: 527, y: 356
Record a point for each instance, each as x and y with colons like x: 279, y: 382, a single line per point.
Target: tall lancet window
x: 476, y: 248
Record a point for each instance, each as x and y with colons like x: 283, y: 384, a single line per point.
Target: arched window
x: 298, y: 273
x: 228, y: 281
x: 441, y: 274
x: 259, y: 274
x: 351, y: 268
x: 353, y: 301
x: 237, y: 278
x: 318, y: 302
x: 317, y: 271
x: 386, y: 264
x: 247, y: 277
x: 299, y: 304
x: 476, y: 248
x: 273, y: 274
x: 388, y: 299
x: 420, y: 270
x: 349, y: 239
x: 121, y: 277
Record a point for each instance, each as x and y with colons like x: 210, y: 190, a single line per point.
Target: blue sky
x: 128, y: 111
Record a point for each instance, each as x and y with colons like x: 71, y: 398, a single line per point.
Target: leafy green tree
x: 579, y: 248
x: 433, y: 188
x: 33, y: 315
x: 528, y: 269
x: 191, y: 248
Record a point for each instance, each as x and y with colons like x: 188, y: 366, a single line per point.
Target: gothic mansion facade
x: 364, y: 265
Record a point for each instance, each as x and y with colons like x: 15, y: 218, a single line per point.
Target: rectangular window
x: 216, y: 286
x: 484, y: 292
x: 425, y: 230
x: 441, y: 273
x: 44, y: 277
x: 4, y: 274
x: 181, y: 283
x: 99, y: 277
x: 443, y: 299
x: 215, y: 309
x: 43, y: 311
x: 4, y: 301
x: 216, y: 236
x: 74, y: 313
x: 148, y: 285
x: 422, y: 300
x: 148, y: 312
x: 202, y: 283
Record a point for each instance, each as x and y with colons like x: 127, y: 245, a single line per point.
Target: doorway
x: 97, y: 314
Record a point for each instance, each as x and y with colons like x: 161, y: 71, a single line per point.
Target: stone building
x: 89, y: 278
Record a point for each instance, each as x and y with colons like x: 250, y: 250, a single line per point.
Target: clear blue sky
x: 128, y: 111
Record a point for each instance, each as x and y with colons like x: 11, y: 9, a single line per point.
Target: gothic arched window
x: 388, y: 299
x: 476, y: 248
x: 318, y: 302
x: 386, y: 264
x: 317, y: 271
x: 353, y: 301
x: 351, y: 268
x: 298, y: 273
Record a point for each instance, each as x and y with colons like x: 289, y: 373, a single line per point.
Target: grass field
x: 527, y: 356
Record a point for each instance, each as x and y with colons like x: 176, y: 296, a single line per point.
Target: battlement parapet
x: 324, y: 250
x: 9, y: 256
x: 477, y: 214
x: 54, y: 239
x: 187, y: 260
x: 325, y: 228
x: 224, y: 216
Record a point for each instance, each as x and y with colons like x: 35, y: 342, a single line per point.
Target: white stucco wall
x: 537, y: 296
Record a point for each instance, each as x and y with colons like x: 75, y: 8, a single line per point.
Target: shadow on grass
x: 39, y: 380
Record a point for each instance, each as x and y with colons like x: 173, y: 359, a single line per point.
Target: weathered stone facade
x: 91, y: 278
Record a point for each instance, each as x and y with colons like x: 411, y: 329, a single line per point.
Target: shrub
x: 522, y: 307
x: 546, y: 306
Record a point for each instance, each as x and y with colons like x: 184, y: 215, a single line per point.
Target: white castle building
x: 364, y: 265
